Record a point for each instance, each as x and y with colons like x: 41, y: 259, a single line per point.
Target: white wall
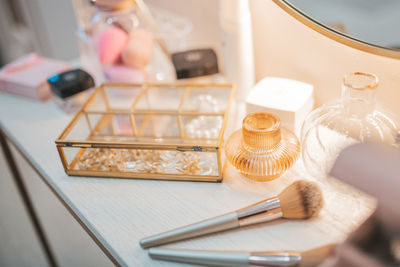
x: 285, y: 47
x: 204, y: 16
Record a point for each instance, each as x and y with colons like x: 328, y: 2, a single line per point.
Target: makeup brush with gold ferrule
x: 300, y: 200
x: 308, y: 258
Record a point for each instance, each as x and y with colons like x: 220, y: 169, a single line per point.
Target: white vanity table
x: 117, y: 213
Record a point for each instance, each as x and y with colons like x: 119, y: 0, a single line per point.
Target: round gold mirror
x: 368, y: 25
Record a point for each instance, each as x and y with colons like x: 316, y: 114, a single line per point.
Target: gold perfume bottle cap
x: 261, y: 130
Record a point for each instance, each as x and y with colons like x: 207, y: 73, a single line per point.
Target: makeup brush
x: 300, y: 200
x: 308, y: 258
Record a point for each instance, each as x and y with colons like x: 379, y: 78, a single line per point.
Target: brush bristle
x: 316, y: 256
x: 301, y: 200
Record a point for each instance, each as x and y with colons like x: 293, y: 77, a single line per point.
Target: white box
x: 289, y: 99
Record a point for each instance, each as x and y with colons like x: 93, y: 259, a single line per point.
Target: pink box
x: 27, y: 76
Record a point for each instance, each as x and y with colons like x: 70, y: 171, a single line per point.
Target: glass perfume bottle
x: 354, y: 118
x: 262, y: 150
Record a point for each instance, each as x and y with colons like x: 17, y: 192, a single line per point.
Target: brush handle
x: 220, y: 258
x: 207, y: 258
x: 263, y: 211
x: 217, y: 224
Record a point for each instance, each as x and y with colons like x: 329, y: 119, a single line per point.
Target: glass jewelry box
x: 169, y: 131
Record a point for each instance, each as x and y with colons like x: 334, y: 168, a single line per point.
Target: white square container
x: 291, y: 100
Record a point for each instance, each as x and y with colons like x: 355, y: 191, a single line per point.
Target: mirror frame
x: 336, y: 35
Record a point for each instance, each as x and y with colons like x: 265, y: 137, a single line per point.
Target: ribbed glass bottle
x: 353, y: 118
x: 262, y: 150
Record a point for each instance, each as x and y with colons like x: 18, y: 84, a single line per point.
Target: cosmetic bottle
x: 237, y: 45
x: 71, y: 89
x: 354, y: 118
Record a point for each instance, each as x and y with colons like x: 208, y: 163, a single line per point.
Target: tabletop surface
x: 119, y: 212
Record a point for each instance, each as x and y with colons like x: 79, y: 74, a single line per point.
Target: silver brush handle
x: 208, y: 258
x: 263, y: 211
x: 220, y: 258
x: 217, y: 224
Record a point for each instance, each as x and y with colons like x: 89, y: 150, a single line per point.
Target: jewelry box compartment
x: 170, y: 131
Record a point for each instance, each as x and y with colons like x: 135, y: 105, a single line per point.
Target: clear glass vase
x: 354, y: 118
x: 262, y: 150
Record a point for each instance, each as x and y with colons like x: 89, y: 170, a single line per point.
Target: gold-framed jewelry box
x: 169, y: 131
